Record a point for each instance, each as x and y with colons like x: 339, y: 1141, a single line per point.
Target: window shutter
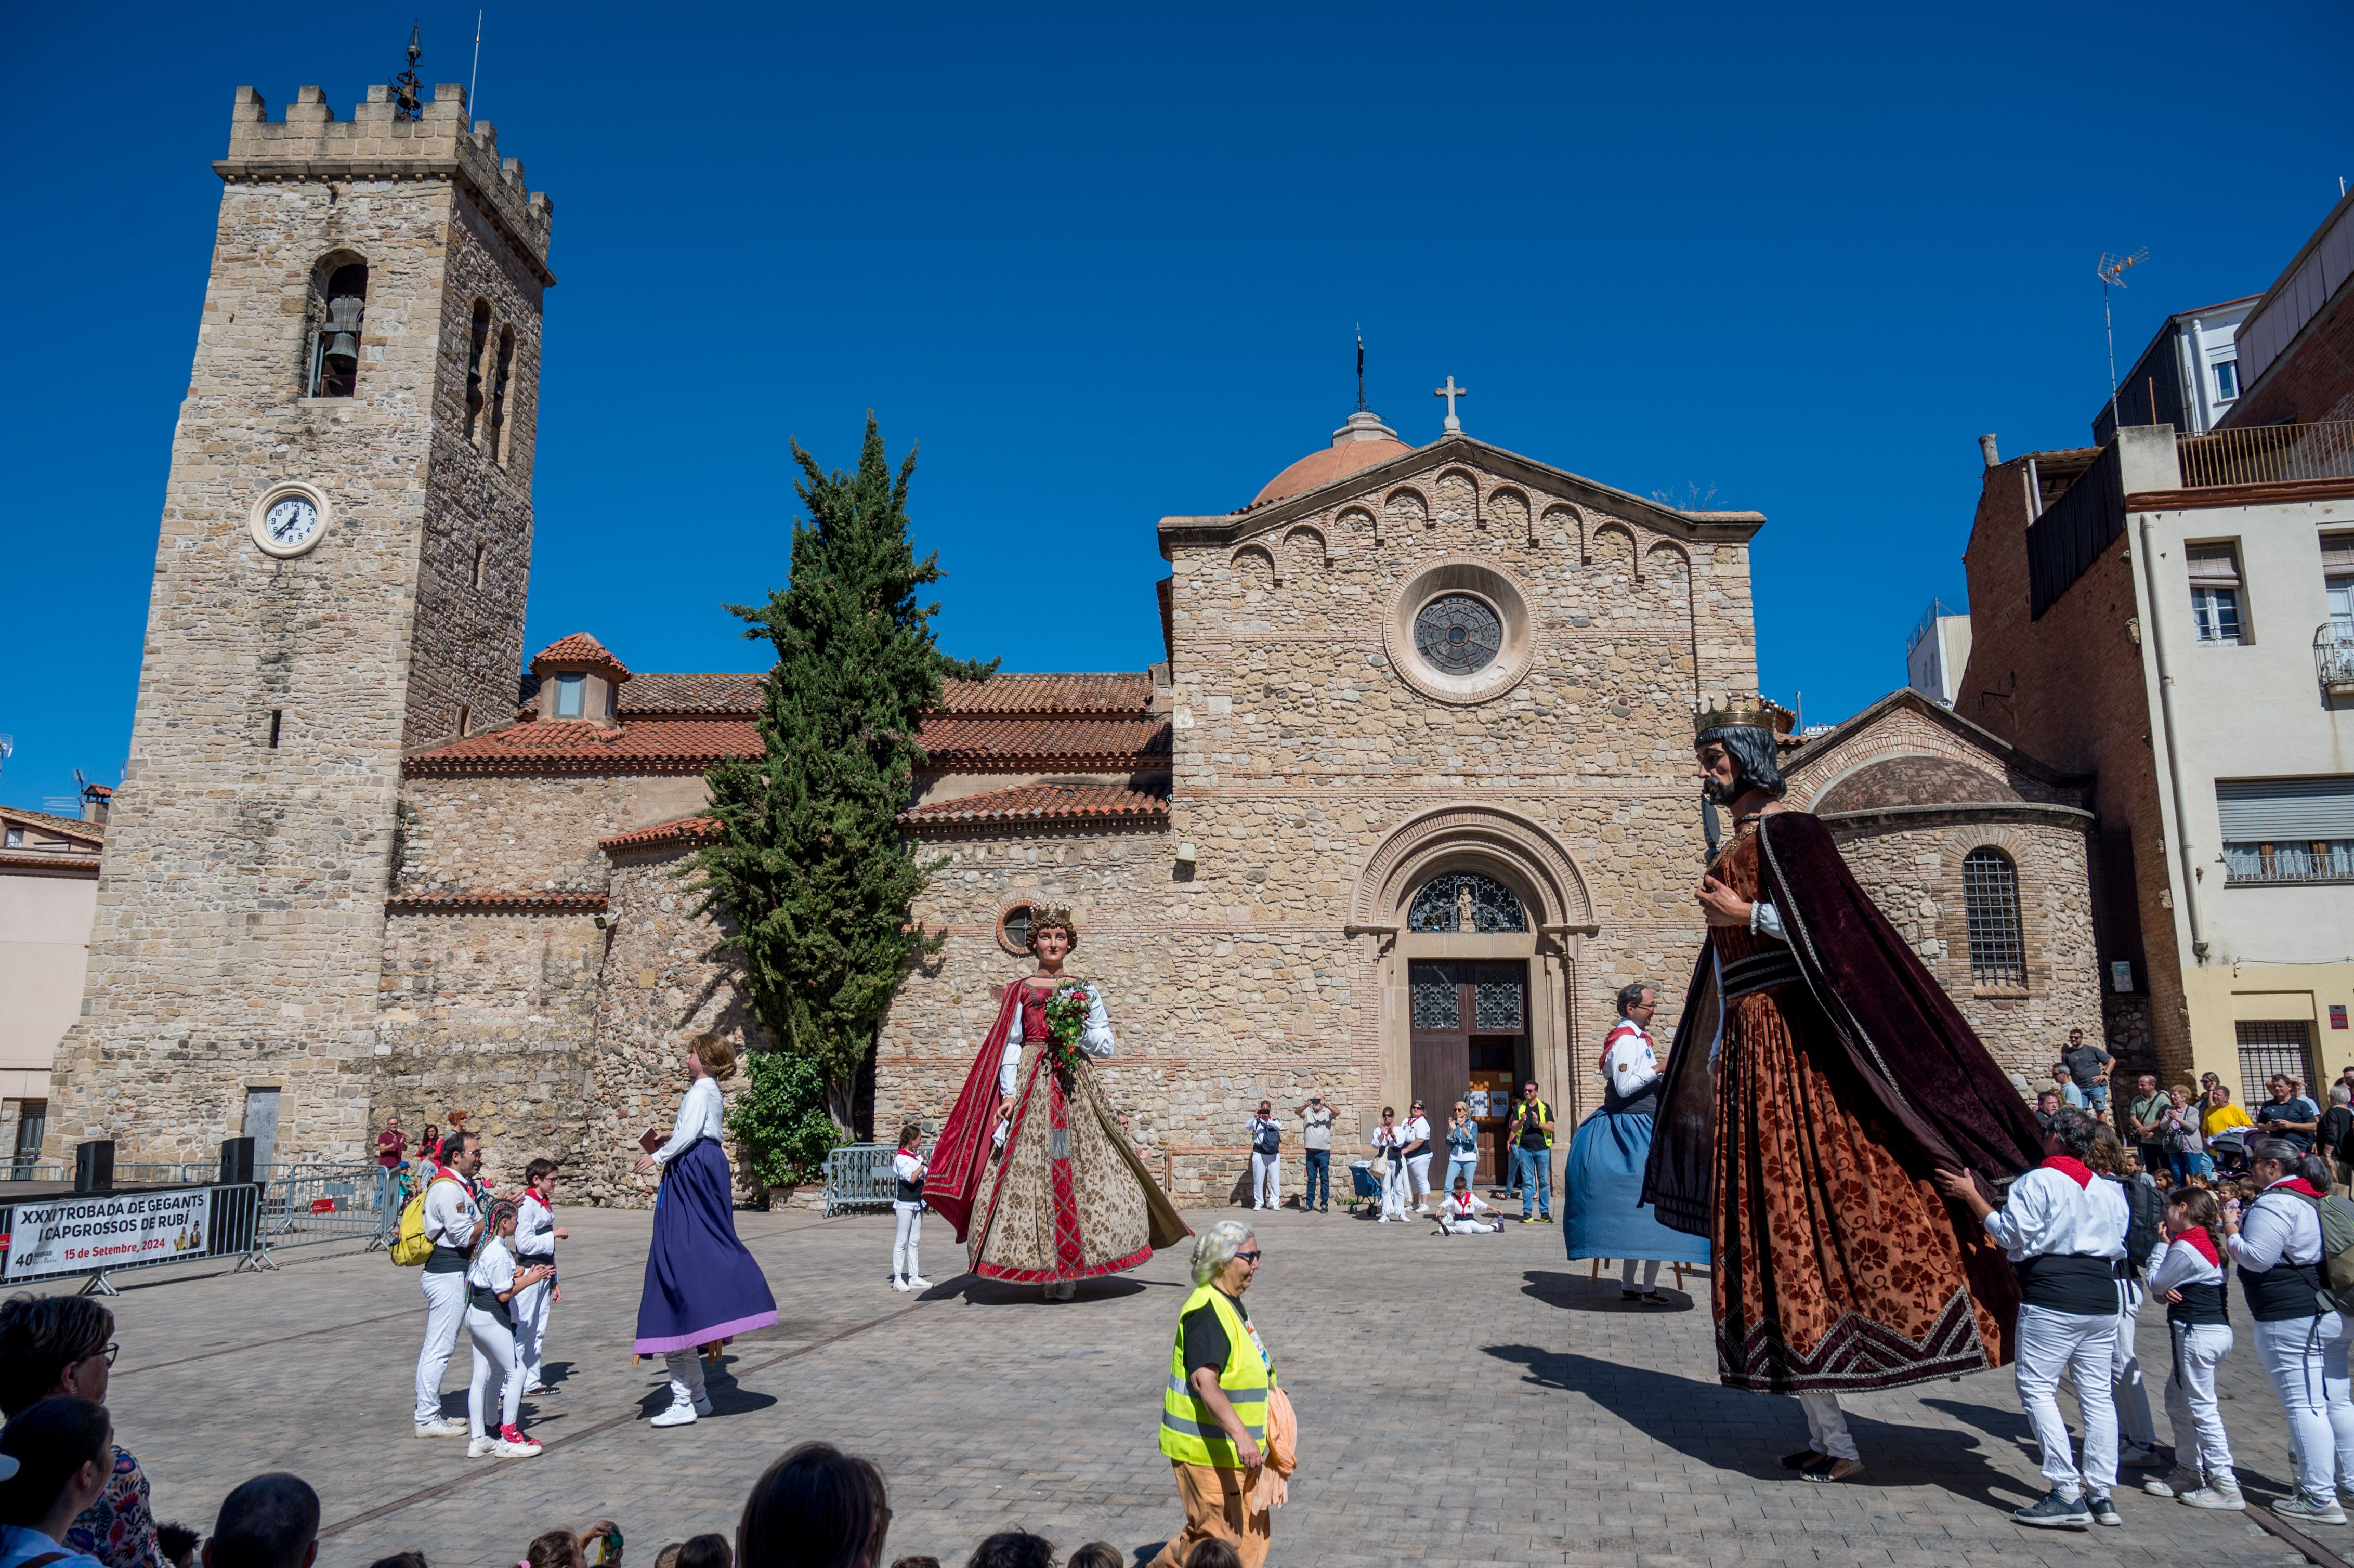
x: 2337, y: 552
x: 2214, y: 566
x: 2285, y: 810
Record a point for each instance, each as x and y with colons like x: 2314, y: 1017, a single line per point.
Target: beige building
x: 48, y: 888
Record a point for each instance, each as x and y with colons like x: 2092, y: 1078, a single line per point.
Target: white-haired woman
x: 1214, y: 1410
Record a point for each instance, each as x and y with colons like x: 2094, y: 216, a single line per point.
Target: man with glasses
x: 1531, y: 1135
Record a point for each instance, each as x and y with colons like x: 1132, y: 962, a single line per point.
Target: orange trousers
x: 1216, y: 1511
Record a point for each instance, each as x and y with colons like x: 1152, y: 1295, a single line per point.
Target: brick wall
x: 2068, y: 689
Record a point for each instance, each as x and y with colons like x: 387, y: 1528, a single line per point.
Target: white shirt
x: 1767, y: 921
x: 2175, y: 1263
x: 1416, y: 1128
x: 700, y: 1115
x: 1389, y: 1137
x: 535, y: 1226
x: 2276, y: 1229
x: 1468, y: 1206
x: 450, y: 1215
x: 494, y: 1268
x: 2048, y: 1215
x: 1634, y: 1063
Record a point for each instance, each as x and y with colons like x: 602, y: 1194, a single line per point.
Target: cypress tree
x: 809, y: 863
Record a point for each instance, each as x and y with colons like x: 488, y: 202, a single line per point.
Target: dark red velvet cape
x: 1906, y: 1041
x: 961, y: 1160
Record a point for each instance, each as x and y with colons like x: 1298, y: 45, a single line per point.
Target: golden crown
x: 1738, y: 712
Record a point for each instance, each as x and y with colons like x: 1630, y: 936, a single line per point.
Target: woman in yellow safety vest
x: 1213, y: 1407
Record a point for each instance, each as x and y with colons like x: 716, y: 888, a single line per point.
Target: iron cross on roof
x: 1451, y: 392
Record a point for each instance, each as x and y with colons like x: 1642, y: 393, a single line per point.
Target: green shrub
x: 780, y: 1119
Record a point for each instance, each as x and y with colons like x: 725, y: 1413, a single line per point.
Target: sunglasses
x: 1246, y: 1258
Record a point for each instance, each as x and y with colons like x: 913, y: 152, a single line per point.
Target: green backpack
x: 2335, y: 1292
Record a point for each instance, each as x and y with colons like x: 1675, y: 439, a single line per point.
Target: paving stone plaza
x: 1463, y: 1400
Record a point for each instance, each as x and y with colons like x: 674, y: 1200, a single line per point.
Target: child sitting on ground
x: 1460, y: 1210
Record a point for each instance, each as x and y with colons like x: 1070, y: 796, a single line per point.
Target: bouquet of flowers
x: 1066, y: 1020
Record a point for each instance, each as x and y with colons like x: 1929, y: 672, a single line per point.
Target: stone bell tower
x: 340, y: 577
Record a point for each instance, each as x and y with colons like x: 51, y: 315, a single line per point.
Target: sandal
x: 1827, y: 1469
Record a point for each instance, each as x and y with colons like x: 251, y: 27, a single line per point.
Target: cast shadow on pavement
x: 1577, y: 1293
x: 727, y: 1396
x: 2010, y: 1426
x: 1746, y: 1433
x: 979, y: 1292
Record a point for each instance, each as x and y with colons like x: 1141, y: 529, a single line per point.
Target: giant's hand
x: 1720, y: 904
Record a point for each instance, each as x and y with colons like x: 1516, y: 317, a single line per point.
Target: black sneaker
x: 2103, y: 1510
x: 2055, y: 1512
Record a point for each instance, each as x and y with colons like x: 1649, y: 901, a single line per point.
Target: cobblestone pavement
x: 1465, y: 1400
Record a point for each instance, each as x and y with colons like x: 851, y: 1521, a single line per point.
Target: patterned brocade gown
x: 1069, y: 1199
x: 1838, y: 1268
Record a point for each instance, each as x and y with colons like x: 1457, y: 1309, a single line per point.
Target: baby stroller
x: 1364, y: 1186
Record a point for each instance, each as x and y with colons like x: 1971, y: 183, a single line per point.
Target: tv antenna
x: 2112, y: 270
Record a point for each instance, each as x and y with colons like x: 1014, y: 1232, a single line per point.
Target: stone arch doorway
x: 1474, y: 919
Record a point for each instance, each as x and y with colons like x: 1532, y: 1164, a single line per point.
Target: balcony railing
x: 2333, y: 657
x: 2323, y: 860
x: 2268, y: 454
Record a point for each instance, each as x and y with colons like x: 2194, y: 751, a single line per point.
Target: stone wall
x: 1914, y: 875
x: 509, y: 833
x: 660, y: 985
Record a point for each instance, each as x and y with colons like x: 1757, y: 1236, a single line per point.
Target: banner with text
x: 85, y: 1234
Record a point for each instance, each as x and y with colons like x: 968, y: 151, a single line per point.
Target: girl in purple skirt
x: 701, y: 1285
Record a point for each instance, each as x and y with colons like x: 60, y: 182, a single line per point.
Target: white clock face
x: 292, y: 524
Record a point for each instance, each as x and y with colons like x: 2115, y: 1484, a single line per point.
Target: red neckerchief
x: 2299, y: 1184
x: 2075, y: 1169
x: 2199, y: 1241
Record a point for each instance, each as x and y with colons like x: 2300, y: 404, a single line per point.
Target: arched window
x: 1990, y: 906
x: 478, y: 348
x: 1466, y: 901
x: 499, y: 376
x: 336, y: 338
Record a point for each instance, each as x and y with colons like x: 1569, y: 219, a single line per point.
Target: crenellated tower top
x: 380, y: 142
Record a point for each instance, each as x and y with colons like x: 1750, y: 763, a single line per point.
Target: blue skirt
x: 701, y: 1285
x: 1603, y: 1203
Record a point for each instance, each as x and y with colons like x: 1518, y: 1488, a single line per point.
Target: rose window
x: 1458, y: 634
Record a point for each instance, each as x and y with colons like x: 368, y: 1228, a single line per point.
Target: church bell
x: 343, y: 327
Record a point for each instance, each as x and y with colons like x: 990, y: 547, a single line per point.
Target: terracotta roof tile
x: 684, y: 693
x: 55, y: 863
x: 1027, y: 803
x: 961, y: 744
x: 68, y: 827
x: 577, y: 746
x: 495, y: 903
x: 681, y: 830
x: 579, y: 649
x: 1324, y: 467
x: 1123, y: 692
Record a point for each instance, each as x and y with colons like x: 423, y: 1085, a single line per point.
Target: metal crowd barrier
x: 858, y: 1176
x: 305, y: 1205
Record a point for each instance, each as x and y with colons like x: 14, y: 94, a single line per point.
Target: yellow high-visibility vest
x: 1188, y: 1431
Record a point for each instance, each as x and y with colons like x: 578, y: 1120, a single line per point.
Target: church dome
x: 1356, y: 445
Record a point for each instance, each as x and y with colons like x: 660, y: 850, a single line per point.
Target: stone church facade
x: 1408, y: 798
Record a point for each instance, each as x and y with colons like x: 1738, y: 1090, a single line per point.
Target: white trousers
x: 1473, y: 1227
x: 686, y: 1376
x: 2133, y: 1422
x: 530, y: 1308
x: 1417, y: 1171
x: 907, y: 1230
x: 2082, y: 1347
x: 494, y: 1365
x: 1393, y: 1191
x: 1650, y: 1278
x: 445, y: 1310
x: 2190, y: 1408
x: 1827, y: 1430
x: 1267, y: 1179
x: 2306, y: 1359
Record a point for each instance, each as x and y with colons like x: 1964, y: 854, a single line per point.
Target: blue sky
x: 1105, y: 265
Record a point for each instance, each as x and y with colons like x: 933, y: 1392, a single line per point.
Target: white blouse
x: 700, y: 1115
x: 1095, y: 1039
x: 2177, y: 1264
x: 1634, y: 1062
x: 494, y: 1268
x: 2049, y: 1216
x: 535, y: 1228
